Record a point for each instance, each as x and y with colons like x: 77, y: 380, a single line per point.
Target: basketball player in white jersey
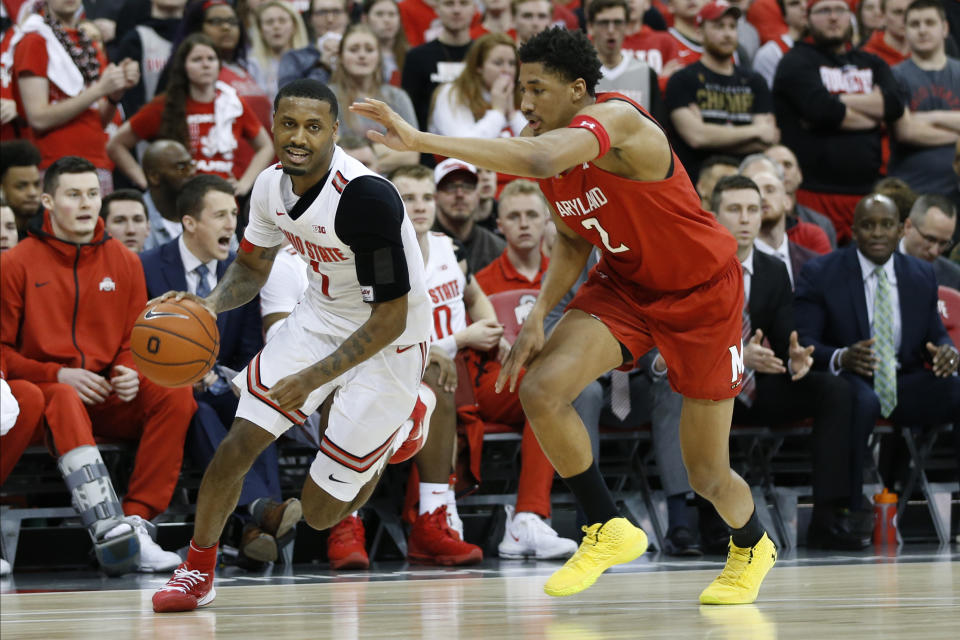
x: 360, y: 333
x: 437, y: 533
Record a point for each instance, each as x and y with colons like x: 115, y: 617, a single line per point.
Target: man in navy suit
x: 195, y: 262
x: 871, y: 314
x: 778, y: 385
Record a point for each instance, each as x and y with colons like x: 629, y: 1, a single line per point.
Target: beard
x: 292, y: 171
x: 824, y: 41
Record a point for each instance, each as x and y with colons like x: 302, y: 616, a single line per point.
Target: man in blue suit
x: 871, y: 314
x: 195, y: 262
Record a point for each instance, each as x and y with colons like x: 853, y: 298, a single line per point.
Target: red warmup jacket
x: 68, y: 305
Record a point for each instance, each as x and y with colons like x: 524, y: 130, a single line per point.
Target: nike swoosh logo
x: 41, y: 284
x: 399, y: 350
x: 335, y: 480
x: 151, y: 314
x: 279, y: 213
x: 515, y: 537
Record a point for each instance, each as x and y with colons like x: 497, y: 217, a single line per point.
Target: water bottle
x: 885, y: 519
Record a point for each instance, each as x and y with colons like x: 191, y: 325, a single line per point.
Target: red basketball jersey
x: 652, y: 233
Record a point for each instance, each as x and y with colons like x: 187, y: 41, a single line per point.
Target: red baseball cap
x: 717, y: 9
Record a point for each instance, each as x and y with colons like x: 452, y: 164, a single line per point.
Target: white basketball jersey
x: 335, y: 296
x: 445, y: 284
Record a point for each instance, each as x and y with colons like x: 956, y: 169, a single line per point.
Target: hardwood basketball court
x: 809, y: 596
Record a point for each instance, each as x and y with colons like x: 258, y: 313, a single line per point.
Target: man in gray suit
x: 928, y: 233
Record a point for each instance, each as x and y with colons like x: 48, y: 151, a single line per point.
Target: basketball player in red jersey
x: 668, y: 278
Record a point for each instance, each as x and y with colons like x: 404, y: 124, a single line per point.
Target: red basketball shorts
x: 698, y: 331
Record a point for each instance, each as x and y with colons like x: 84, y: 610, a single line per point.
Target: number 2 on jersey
x: 593, y: 223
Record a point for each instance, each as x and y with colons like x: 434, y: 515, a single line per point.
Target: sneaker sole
x: 262, y: 548
x: 638, y: 549
x: 446, y: 561
x: 352, y: 561
x: 202, y: 602
x: 534, y: 556
x: 291, y: 516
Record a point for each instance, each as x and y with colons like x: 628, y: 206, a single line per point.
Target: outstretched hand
x: 399, y: 135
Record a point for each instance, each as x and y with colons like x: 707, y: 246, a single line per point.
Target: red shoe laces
x: 184, y: 580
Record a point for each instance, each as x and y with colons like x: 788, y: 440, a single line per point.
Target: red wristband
x: 593, y: 126
x: 246, y: 246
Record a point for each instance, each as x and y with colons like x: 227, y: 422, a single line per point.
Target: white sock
x: 433, y: 495
x: 451, y: 500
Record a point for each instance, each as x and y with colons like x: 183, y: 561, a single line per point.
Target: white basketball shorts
x: 371, y: 402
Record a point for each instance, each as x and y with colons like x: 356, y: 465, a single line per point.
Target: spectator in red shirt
x: 685, y: 29
x: 890, y: 43
x: 70, y: 297
x: 65, y: 88
x: 530, y: 17
x: 869, y: 19
x: 205, y: 114
x: 523, y: 216
x: 657, y: 48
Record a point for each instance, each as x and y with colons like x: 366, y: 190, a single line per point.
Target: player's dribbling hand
x: 525, y: 348
x: 399, y: 136
x: 292, y: 391
x: 177, y: 296
x: 801, y: 358
x: 126, y: 382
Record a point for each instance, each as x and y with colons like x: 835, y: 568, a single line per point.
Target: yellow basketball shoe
x: 740, y: 581
x: 605, y: 544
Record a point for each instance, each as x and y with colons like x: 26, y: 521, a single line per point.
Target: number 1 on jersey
x: 593, y: 223
x: 324, y: 280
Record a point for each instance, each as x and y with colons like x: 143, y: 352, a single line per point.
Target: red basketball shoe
x: 432, y: 541
x: 185, y: 591
x: 346, y: 545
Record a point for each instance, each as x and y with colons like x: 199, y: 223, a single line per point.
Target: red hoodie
x: 68, y: 305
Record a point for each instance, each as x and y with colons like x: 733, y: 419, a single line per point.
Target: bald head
x: 875, y: 201
x: 167, y: 165
x: 876, y: 227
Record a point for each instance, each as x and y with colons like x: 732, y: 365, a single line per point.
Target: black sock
x: 677, y: 515
x: 592, y: 494
x: 749, y: 534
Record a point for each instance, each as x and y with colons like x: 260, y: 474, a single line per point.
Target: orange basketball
x: 175, y: 343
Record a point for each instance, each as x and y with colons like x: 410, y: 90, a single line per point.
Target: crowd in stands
x: 823, y: 134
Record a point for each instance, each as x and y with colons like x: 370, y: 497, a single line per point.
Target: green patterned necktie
x: 885, y: 377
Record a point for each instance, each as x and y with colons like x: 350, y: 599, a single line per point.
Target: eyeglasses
x: 453, y: 187
x: 222, y: 22
x: 610, y: 24
x: 825, y: 11
x: 933, y: 240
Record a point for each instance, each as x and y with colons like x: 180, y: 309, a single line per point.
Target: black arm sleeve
x: 368, y: 219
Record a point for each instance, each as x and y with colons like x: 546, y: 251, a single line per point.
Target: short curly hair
x: 569, y: 54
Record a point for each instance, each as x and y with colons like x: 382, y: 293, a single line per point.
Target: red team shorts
x: 698, y: 331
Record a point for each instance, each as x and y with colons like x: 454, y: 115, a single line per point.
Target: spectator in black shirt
x: 831, y: 102
x: 707, y: 97
x: 439, y: 60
